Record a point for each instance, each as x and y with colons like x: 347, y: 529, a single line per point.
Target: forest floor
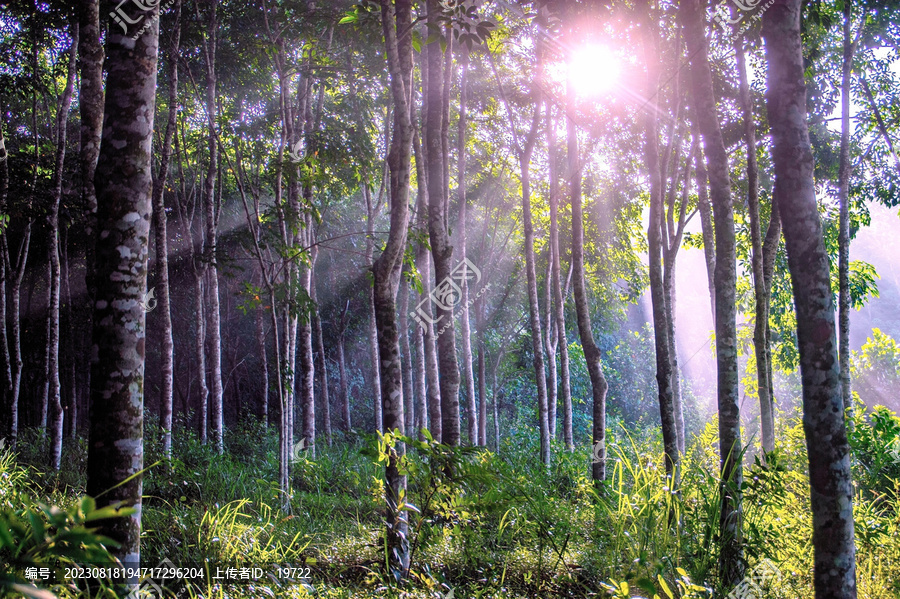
x: 501, y: 526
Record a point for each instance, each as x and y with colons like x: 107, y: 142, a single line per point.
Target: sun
x: 593, y: 70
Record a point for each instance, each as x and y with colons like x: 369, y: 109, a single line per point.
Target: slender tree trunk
x: 592, y: 356
x: 844, y: 171
x: 396, y: 19
x: 263, y: 408
x: 441, y: 249
x: 831, y: 487
x: 731, y: 562
x: 167, y: 348
x: 124, y: 183
x: 766, y: 407
x: 55, y: 390
x: 655, y: 245
x: 559, y: 307
x: 482, y: 393
x: 7, y: 382
x: 342, y: 370
x: 465, y: 329
x: 70, y: 426
x: 322, y: 366
x: 90, y: 105
x: 371, y: 214
x: 423, y: 310
x: 549, y: 340
x: 210, y: 46
x: 879, y: 120
x: 706, y: 221
x: 407, y: 362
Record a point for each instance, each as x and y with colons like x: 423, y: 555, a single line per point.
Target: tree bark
x: 342, y: 370
x: 666, y: 395
x: 55, y: 391
x: 321, y: 365
x: 210, y: 47
x: 167, y: 348
x: 396, y: 20
x: 823, y: 415
x: 465, y: 329
x: 706, y: 220
x: 844, y: 172
x: 371, y: 214
x: 7, y: 382
x: 407, y: 362
x: 559, y: 307
x: 761, y: 308
x: 592, y: 355
x: 441, y: 250
x: 124, y: 183
x: 431, y: 417
x: 731, y: 569
x: 263, y: 407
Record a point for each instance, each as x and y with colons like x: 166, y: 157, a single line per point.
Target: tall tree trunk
x: 124, y: 183
x: 844, y: 171
x: 90, y: 105
x: 549, y: 340
x: 342, y: 370
x: 7, y: 382
x: 731, y: 562
x: 559, y: 307
x: 167, y: 349
x: 766, y: 406
x: 263, y: 408
x: 831, y: 488
x: 396, y: 20
x: 407, y: 363
x: 210, y: 47
x: 70, y: 426
x: 706, y: 220
x: 55, y: 391
x: 321, y: 365
x: 655, y: 245
x: 423, y: 313
x: 441, y: 249
x: 371, y: 215
x: 592, y: 356
x: 465, y: 329
x: 482, y: 393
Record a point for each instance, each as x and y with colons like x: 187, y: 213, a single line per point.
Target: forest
x: 450, y: 299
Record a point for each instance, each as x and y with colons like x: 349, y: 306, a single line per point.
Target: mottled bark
x: 592, y: 356
x: 731, y: 563
x: 124, y: 183
x: 559, y: 307
x: 55, y: 391
x: 396, y: 20
x: 831, y: 489
x: 441, y: 250
x: 167, y: 347
x: 761, y: 299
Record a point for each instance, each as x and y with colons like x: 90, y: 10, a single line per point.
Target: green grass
x: 501, y: 526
